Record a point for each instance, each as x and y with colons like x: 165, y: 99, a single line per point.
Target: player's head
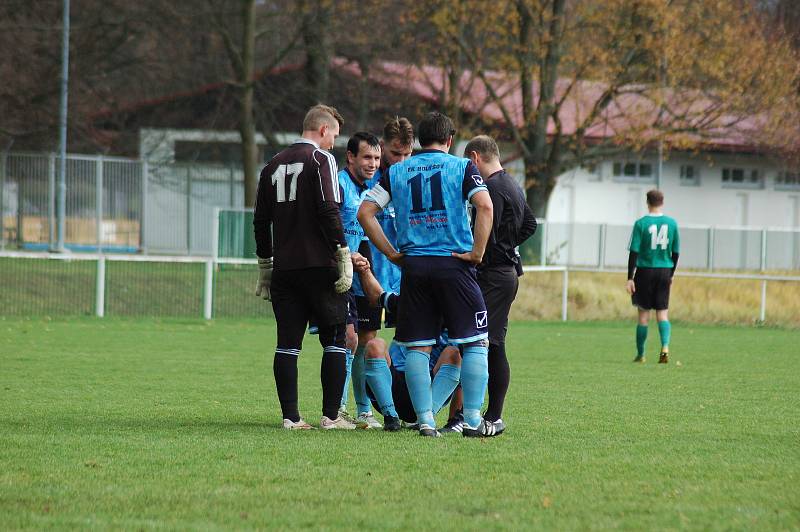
x: 322, y: 124
x: 397, y: 142
x: 655, y: 198
x: 436, y: 128
x: 483, y: 151
x: 363, y: 155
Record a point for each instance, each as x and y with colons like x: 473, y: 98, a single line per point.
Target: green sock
x: 641, y: 338
x: 664, y: 329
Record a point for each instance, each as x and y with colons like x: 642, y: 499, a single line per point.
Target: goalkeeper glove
x: 264, y: 278
x: 344, y: 265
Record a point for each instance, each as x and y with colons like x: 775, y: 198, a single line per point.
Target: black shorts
x: 652, y: 288
x: 369, y: 317
x: 352, y: 309
x: 436, y: 289
x: 499, y: 286
x: 299, y: 295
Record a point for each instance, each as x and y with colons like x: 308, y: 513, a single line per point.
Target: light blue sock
x: 474, y: 376
x: 348, y: 366
x: 360, y: 382
x: 444, y: 383
x: 418, y: 380
x: 379, y: 378
x: 664, y: 329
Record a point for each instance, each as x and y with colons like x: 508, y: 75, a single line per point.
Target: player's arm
x: 633, y: 255
x: 372, y: 288
x: 528, y: 226
x: 630, y: 286
x: 330, y: 221
x: 375, y: 201
x: 262, y: 219
x: 476, y: 192
x: 676, y: 248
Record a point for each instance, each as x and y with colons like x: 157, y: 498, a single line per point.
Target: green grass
x: 142, y: 424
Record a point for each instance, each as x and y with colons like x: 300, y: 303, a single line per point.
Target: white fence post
x: 208, y: 293
x: 711, y: 249
x: 543, y: 258
x: 98, y: 201
x: 564, y: 290
x: 763, y: 250
x: 763, y: 314
x: 51, y: 203
x: 215, y: 234
x: 143, y: 221
x: 601, y: 260
x: 100, y: 288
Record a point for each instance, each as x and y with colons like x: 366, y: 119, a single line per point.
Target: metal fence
x: 42, y: 284
x: 114, y: 204
x: 131, y: 206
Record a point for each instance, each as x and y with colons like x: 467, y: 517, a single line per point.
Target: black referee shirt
x: 512, y: 224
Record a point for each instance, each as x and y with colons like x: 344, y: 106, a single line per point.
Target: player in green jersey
x: 654, y: 249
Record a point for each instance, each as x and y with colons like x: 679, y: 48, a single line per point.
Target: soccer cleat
x: 639, y: 359
x: 391, y: 424
x: 454, y: 424
x: 409, y: 426
x: 485, y: 429
x: 366, y: 420
x: 499, y: 427
x: 663, y: 358
x: 296, y: 425
x: 327, y: 423
x: 428, y: 431
x: 343, y: 413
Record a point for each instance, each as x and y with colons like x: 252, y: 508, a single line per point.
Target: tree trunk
x: 538, y: 187
x: 247, y: 127
x: 317, y: 40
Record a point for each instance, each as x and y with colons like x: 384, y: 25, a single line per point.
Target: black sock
x: 499, y: 377
x: 285, y: 370
x: 332, y: 373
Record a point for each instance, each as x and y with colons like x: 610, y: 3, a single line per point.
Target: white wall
x: 584, y: 197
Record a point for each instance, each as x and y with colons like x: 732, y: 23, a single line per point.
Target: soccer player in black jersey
x: 305, y: 266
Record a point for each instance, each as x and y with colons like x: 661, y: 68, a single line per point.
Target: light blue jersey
x: 352, y: 195
x: 386, y: 272
x: 397, y: 352
x: 430, y: 191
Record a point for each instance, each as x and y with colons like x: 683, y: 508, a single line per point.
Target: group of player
x: 427, y: 240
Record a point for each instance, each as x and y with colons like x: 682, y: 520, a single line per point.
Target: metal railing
x: 191, y: 286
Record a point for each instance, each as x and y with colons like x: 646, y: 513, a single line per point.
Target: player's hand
x: 630, y: 286
x: 360, y: 262
x: 396, y: 259
x: 264, y: 278
x: 471, y: 257
x: 344, y: 265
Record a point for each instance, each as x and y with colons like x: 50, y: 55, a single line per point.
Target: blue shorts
x: 438, y: 292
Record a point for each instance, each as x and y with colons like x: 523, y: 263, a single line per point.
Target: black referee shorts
x: 499, y: 286
x: 652, y: 288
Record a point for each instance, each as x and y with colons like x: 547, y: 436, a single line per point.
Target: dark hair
x: 399, y: 128
x: 354, y: 144
x: 485, y: 146
x: 435, y: 128
x: 655, y: 198
x: 321, y: 114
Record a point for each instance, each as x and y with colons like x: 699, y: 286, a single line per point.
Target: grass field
x: 142, y: 424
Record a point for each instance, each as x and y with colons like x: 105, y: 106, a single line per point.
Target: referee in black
x: 498, y: 273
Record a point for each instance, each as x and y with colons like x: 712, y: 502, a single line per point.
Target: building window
x: 788, y: 180
x: 742, y: 178
x: 689, y: 175
x: 630, y: 171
